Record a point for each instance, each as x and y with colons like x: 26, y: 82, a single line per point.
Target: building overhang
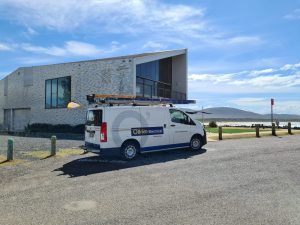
x: 158, y: 55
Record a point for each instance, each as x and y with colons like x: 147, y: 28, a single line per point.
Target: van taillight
x: 103, y: 132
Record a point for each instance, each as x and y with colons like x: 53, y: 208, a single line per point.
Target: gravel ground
x: 31, y: 143
x: 246, y: 181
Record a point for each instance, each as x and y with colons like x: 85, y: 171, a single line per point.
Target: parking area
x: 244, y: 181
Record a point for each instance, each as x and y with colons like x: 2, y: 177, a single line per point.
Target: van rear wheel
x: 129, y: 150
x: 195, y: 143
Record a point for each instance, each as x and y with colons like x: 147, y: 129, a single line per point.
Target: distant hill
x: 238, y: 114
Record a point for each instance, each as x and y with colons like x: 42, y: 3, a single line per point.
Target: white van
x: 140, y: 129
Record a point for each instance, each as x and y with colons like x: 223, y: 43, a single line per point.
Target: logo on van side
x: 140, y: 131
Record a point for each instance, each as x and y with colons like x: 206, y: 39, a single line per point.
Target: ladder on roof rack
x: 132, y: 100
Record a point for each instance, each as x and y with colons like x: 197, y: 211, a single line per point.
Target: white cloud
x: 81, y: 48
x: 272, y: 78
x: 220, y: 78
x: 29, y: 33
x: 260, y: 72
x: 113, y: 15
x: 249, y: 40
x: 71, y: 48
x: 290, y: 67
x: 154, y: 45
x: 247, y: 101
x: 295, y: 15
x: 262, y: 105
x: 221, y: 41
x: 5, y: 47
x: 162, y: 21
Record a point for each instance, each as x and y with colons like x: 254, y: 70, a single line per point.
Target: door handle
x: 173, y: 125
x: 165, y: 125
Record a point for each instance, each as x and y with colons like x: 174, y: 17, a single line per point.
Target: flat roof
x: 103, y: 59
x: 115, y: 57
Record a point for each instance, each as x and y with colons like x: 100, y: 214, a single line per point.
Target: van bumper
x: 95, y: 148
x: 90, y: 147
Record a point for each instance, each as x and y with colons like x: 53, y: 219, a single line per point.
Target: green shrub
x: 58, y: 128
x: 212, y: 124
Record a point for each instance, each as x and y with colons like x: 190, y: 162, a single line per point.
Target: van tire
x: 196, y: 142
x: 129, y: 150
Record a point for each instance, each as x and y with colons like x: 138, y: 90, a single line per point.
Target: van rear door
x: 92, y: 126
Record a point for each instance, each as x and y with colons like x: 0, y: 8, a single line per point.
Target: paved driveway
x: 249, y: 181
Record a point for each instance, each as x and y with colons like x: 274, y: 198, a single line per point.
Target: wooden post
x: 273, y: 129
x: 257, y: 130
x: 289, y: 128
x: 10, y: 149
x: 220, y: 133
x: 53, y: 145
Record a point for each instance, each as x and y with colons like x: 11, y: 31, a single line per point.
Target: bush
x: 59, y: 128
x: 212, y: 124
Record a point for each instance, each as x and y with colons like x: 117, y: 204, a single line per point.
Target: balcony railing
x: 147, y: 88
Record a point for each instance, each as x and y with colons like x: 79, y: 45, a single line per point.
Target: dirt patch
x: 46, y: 154
x: 4, y: 162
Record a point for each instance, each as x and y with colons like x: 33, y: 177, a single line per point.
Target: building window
x: 154, y: 79
x: 57, y: 92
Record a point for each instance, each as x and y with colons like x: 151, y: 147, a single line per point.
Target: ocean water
x: 248, y: 124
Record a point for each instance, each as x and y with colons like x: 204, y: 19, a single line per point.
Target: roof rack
x: 132, y: 100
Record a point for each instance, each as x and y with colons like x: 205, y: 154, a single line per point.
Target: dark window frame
x: 156, y: 74
x: 97, y: 117
x: 188, y: 120
x: 57, y: 106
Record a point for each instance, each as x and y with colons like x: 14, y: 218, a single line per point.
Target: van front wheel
x: 195, y: 143
x: 129, y: 150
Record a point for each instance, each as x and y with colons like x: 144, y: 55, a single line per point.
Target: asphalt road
x: 248, y: 181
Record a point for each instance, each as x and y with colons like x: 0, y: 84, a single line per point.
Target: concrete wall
x: 179, y: 74
x: 18, y: 95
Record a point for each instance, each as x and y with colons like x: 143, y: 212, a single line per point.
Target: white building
x: 40, y: 94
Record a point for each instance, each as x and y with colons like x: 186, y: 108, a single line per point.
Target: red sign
x: 272, y: 101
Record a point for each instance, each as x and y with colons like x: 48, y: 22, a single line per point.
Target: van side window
x: 94, y: 117
x: 180, y: 117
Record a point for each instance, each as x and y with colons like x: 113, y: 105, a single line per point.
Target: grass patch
x: 59, y: 153
x: 230, y: 130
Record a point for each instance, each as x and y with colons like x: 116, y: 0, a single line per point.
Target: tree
x: 212, y: 124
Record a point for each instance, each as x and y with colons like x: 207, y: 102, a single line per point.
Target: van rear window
x: 94, y: 117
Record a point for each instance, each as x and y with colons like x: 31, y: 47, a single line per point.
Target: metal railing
x: 148, y: 88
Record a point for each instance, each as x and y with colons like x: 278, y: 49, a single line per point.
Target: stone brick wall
x: 112, y: 76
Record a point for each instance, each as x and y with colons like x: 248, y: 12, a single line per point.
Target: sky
x: 240, y: 53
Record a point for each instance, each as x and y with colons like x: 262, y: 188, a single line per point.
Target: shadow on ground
x: 95, y: 164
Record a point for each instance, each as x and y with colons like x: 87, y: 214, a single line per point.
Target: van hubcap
x: 195, y: 143
x: 130, y: 151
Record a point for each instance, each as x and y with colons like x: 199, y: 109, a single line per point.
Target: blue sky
x: 241, y: 53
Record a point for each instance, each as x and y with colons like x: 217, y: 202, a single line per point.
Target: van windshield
x: 94, y: 117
